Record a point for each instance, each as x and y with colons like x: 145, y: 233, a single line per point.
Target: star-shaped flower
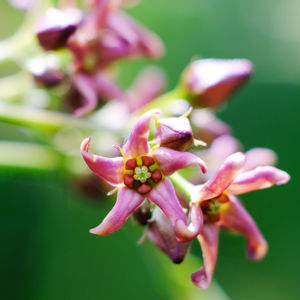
x: 142, y: 174
x: 221, y: 208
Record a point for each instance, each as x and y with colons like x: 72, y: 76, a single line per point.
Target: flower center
x: 211, y: 208
x: 142, y: 173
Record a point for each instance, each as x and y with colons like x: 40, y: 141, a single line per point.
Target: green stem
x: 182, y: 184
x: 41, y: 119
x: 8, y: 85
x: 14, y: 47
x: 164, y: 102
x: 26, y: 156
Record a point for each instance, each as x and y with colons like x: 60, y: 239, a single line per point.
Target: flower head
x: 142, y: 173
x: 221, y: 208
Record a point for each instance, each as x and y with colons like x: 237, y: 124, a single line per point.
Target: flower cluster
x: 153, y: 172
x: 96, y: 40
x: 141, y: 174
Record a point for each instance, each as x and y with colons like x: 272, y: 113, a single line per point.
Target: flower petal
x: 234, y: 216
x: 161, y: 233
x: 223, y: 178
x: 148, y: 85
x: 137, y: 143
x: 259, y: 157
x: 86, y: 86
x: 127, y: 201
x: 208, y: 239
x: 259, y: 178
x: 171, y: 160
x: 109, y: 169
x: 164, y: 196
x: 222, y: 147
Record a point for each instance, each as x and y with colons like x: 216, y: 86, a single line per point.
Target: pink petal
x: 208, y: 126
x: 259, y: 157
x: 171, y: 160
x: 149, y: 84
x: 223, y: 178
x: 161, y: 233
x: 223, y: 146
x: 137, y: 143
x: 164, y: 196
x: 127, y: 201
x: 85, y: 84
x: 109, y: 169
x: 234, y: 216
x: 259, y: 178
x: 209, y: 244
x: 107, y: 88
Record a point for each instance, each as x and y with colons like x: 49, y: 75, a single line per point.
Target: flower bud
x: 45, y: 70
x: 174, y: 133
x: 56, y: 26
x: 209, y: 82
x: 142, y: 214
x: 161, y: 233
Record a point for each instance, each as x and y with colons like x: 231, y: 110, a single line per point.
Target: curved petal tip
x: 200, y: 279
x: 85, y: 144
x: 256, y: 250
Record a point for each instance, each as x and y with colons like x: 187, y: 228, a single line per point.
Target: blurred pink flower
x: 55, y: 27
x: 221, y: 208
x: 141, y: 173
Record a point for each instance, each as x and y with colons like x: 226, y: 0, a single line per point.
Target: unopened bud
x: 142, y: 214
x: 209, y: 82
x: 161, y: 233
x: 45, y: 71
x: 174, y: 133
x: 56, y: 26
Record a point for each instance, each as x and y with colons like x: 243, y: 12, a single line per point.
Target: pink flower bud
x: 209, y: 82
x: 174, y: 133
x: 161, y: 233
x: 56, y: 26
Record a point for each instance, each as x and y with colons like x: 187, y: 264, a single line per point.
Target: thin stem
x: 184, y: 185
x: 8, y: 85
x: 165, y: 102
x: 41, y: 119
x: 27, y: 156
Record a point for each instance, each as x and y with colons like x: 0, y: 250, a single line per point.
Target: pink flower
x: 221, y: 208
x: 142, y: 173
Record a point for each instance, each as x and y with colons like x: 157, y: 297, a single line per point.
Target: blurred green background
x: 46, y: 251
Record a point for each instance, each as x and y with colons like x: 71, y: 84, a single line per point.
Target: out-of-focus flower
x: 56, y: 26
x: 119, y: 37
x: 141, y: 173
x: 221, y: 208
x: 209, y: 82
x: 161, y: 233
x: 148, y: 85
x: 206, y: 126
x: 45, y: 71
x: 87, y: 90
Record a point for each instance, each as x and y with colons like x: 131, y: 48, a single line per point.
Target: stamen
x: 187, y: 114
x: 199, y: 143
